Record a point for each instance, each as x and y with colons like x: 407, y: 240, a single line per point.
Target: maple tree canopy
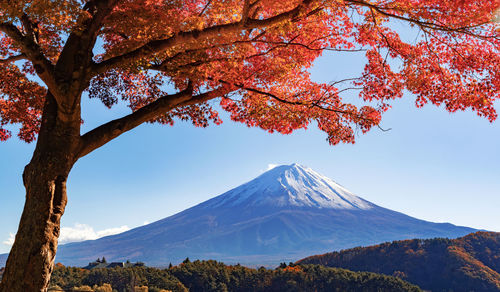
x: 249, y: 56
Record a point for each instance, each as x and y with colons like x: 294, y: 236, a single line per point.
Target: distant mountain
x: 284, y: 214
x: 469, y: 263
x: 3, y: 259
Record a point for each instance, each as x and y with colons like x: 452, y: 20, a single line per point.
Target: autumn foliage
x: 253, y: 56
x: 469, y: 263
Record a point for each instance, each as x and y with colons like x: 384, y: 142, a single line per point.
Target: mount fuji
x: 285, y: 214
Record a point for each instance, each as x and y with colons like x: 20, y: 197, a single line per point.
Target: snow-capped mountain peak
x: 291, y: 185
x: 284, y: 214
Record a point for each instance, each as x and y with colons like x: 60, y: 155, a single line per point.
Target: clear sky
x: 432, y: 165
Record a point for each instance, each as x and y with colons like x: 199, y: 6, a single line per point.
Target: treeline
x: 120, y: 279
x: 469, y: 263
x: 215, y: 276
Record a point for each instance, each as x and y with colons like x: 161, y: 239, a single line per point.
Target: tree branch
x: 419, y: 23
x: 76, y: 57
x: 156, y: 46
x: 206, y: 96
x: 315, y: 104
x: 161, y: 66
x: 246, y: 11
x: 107, y: 132
x: 12, y: 59
x: 205, y: 7
x: 282, y: 100
x: 30, y: 48
x: 29, y: 27
x: 99, y: 9
x: 82, y: 39
x: 306, y: 46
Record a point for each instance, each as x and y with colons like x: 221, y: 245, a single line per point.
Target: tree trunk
x: 31, y: 258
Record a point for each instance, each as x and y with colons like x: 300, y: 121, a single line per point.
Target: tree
x: 172, y: 59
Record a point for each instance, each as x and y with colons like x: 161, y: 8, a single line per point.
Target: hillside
x: 469, y: 263
x: 212, y: 276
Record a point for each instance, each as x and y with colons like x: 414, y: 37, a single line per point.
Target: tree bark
x: 31, y: 258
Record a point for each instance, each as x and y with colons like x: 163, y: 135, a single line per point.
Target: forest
x: 469, y: 263
x: 215, y: 276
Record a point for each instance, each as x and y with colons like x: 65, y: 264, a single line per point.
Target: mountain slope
x: 469, y: 263
x: 284, y: 214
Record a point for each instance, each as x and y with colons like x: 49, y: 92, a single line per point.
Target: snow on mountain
x: 291, y: 185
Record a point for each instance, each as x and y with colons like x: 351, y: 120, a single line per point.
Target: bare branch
x: 205, y: 8
x: 349, y: 88
x: 383, y: 129
x: 333, y: 83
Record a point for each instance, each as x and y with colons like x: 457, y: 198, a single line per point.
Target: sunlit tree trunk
x: 31, y: 258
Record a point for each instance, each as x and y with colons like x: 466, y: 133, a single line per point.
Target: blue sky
x: 433, y: 165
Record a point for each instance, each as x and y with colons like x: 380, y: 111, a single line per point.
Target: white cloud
x: 111, y: 231
x: 146, y: 222
x: 79, y: 232
x: 271, y: 166
x: 10, y: 240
